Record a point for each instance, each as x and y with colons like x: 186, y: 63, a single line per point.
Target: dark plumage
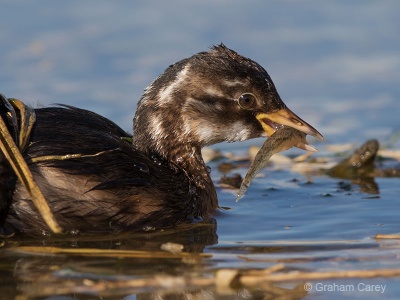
x: 7, y: 176
x: 160, y: 180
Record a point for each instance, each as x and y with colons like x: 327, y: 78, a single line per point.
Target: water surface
x: 336, y: 64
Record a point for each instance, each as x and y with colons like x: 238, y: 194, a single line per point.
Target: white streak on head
x: 206, y: 133
x: 186, y: 127
x: 201, y: 106
x: 237, y: 132
x: 213, y: 92
x: 156, y: 126
x: 209, y: 134
x: 204, y: 124
x: 219, y: 106
x: 233, y: 83
x: 165, y: 95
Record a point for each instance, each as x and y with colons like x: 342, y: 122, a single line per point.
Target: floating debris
x: 172, y: 247
x: 359, y: 164
x: 97, y: 252
x: 210, y: 154
x: 254, y: 278
x: 233, y: 181
x: 387, y: 236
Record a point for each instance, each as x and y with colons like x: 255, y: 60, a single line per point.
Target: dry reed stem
x: 104, y: 252
x: 21, y: 169
x: 387, y: 236
x: 254, y: 279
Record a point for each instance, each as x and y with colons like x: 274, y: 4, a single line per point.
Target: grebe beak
x: 272, y: 121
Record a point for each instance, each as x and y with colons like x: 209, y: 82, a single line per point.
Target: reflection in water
x: 183, y: 276
x: 267, y: 291
x: 46, y: 275
x: 367, y: 185
x: 144, y: 272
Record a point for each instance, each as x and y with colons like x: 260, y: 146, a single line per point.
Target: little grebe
x: 160, y: 179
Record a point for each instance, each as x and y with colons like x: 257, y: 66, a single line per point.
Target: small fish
x: 284, y: 138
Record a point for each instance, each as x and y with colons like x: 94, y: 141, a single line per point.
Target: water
x: 336, y: 64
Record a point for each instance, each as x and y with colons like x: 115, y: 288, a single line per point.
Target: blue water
x: 335, y: 63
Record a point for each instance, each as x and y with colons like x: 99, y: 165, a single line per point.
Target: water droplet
x: 148, y: 228
x: 156, y: 160
x: 45, y: 233
x: 142, y: 167
x: 192, y: 190
x: 199, y: 158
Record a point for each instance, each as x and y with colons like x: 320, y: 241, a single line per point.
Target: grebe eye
x: 247, y: 101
